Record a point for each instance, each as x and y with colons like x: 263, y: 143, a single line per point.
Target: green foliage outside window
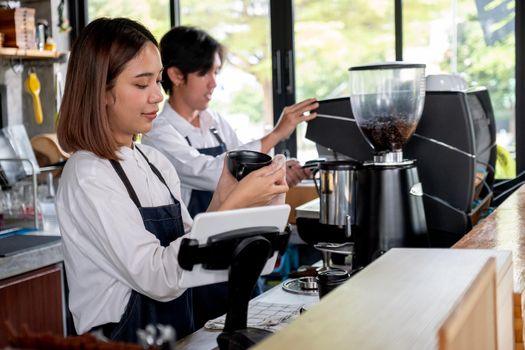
x: 154, y: 14
x: 330, y: 36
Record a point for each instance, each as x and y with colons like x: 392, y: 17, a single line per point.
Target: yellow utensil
x: 32, y: 85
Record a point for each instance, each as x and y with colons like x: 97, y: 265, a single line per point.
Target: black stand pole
x: 244, y: 252
x: 248, y: 261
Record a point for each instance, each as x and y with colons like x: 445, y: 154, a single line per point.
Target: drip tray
x: 302, y: 285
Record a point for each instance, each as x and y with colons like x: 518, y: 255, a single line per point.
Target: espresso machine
x: 387, y: 101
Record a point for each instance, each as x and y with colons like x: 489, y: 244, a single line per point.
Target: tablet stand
x: 244, y: 253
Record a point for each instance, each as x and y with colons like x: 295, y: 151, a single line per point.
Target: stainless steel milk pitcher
x: 337, y: 191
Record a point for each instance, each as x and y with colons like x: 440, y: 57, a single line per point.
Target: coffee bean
x: 388, y: 133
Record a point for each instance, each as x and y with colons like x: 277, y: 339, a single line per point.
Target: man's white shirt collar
x: 185, y: 127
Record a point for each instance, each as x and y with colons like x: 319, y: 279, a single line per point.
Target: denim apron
x: 165, y: 222
x: 208, y: 301
x: 200, y: 200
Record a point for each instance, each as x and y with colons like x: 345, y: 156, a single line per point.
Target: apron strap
x: 120, y: 172
x: 214, y: 132
x: 157, y: 172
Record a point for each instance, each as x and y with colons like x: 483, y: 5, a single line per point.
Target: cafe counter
x: 461, y: 298
x: 408, y: 298
x: 504, y: 229
x: 415, y: 307
x: 412, y: 299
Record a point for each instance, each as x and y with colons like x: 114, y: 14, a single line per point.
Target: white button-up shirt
x: 107, y: 250
x: 197, y: 171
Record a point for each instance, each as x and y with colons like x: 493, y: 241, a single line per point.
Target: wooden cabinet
x: 35, y: 299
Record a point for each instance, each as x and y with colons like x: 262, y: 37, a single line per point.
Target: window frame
x: 519, y: 22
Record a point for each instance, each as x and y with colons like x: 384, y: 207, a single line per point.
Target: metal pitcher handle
x: 348, y: 228
x: 315, y: 182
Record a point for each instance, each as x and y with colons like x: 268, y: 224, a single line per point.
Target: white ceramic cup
x: 445, y: 82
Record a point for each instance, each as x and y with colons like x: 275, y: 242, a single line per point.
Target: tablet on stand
x: 235, y: 246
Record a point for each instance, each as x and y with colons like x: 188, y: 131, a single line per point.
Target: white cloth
x: 197, y: 171
x: 107, y: 250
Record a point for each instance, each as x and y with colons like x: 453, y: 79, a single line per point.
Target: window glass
x: 474, y: 39
x: 244, y: 90
x: 330, y: 37
x: 153, y: 14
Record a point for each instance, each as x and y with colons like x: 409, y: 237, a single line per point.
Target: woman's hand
x: 258, y: 188
x: 290, y: 117
x: 225, y: 186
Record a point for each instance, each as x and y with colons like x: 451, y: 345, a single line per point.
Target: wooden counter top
x: 504, y: 229
x: 404, y: 300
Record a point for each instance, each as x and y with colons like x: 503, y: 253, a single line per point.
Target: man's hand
x: 290, y: 117
x: 295, y: 173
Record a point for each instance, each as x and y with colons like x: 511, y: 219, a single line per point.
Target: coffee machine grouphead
x: 387, y: 101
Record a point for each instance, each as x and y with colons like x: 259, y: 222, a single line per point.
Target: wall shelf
x: 16, y: 53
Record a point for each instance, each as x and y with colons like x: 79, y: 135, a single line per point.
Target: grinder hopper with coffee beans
x: 387, y: 102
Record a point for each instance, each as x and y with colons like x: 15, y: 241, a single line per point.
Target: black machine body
x: 390, y: 211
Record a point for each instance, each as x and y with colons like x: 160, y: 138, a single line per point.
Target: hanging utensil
x: 32, y: 85
x: 59, y: 91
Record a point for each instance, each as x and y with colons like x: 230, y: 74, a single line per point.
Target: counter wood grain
x: 504, y: 229
x: 401, y: 301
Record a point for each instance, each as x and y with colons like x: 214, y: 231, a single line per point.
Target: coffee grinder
x: 387, y: 101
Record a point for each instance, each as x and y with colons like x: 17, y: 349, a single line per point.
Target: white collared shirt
x: 196, y: 171
x: 107, y: 250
